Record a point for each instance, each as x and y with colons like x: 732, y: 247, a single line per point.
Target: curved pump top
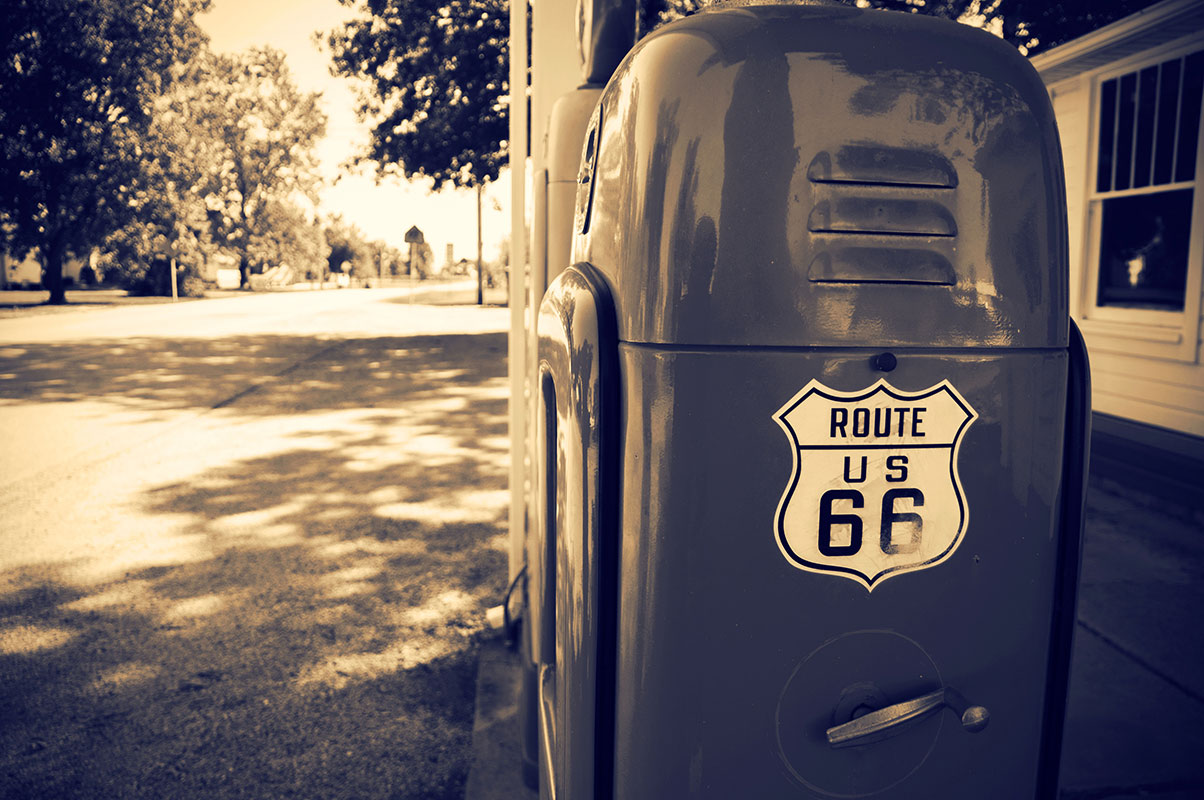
x: 825, y: 176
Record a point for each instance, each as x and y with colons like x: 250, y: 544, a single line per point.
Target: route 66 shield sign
x: 874, y: 492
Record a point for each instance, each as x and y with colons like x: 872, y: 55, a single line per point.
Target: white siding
x: 1164, y: 392
x: 1070, y: 102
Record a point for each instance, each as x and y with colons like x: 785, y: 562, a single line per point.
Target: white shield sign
x: 875, y: 491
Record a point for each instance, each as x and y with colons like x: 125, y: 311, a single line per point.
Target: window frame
x: 1170, y: 335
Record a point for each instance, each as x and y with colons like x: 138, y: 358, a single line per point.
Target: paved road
x: 247, y: 544
x: 227, y: 345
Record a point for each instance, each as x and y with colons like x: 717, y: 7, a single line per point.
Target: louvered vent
x: 882, y: 215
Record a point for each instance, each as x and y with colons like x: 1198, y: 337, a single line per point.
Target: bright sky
x: 382, y: 212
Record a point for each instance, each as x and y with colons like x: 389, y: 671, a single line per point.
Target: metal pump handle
x: 886, y: 722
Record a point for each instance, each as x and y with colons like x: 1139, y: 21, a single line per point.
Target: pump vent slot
x: 881, y: 265
x: 882, y: 215
x: 863, y: 163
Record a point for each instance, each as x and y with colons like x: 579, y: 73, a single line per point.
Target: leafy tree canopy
x: 168, y: 215
x: 436, y: 85
x: 77, y: 82
x: 349, y: 250
x: 265, y: 131
x: 225, y: 162
x: 423, y: 263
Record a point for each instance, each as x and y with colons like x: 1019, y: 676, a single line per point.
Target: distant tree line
x: 228, y: 171
x: 353, y: 254
x: 120, y: 130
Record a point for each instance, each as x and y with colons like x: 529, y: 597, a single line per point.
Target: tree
x: 291, y: 239
x: 423, y: 264
x: 349, y: 251
x: 266, y: 131
x: 165, y: 195
x: 1036, y: 25
x: 437, y: 82
x: 76, y: 82
x: 438, y: 88
x: 438, y: 78
x: 393, y: 259
x: 1029, y: 25
x: 229, y: 152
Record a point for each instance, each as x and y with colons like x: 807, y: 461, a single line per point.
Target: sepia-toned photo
x: 601, y: 399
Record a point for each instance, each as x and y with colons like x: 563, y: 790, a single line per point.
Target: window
x: 1143, y: 250
x: 1145, y: 204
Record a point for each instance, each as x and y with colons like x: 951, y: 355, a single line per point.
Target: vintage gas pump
x: 605, y: 33
x: 811, y: 421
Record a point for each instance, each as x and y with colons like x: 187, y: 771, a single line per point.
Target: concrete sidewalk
x: 1133, y: 727
x: 496, y: 772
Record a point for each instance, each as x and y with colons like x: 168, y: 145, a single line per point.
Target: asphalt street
x: 247, y: 544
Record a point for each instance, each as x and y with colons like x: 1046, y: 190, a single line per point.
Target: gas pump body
x: 850, y: 417
x: 605, y: 31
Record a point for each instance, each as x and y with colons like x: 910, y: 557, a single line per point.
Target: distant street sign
x: 414, y: 236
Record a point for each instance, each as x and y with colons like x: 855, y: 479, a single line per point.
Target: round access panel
x: 850, y: 675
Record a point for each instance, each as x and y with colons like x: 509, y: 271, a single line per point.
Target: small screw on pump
x: 884, y: 362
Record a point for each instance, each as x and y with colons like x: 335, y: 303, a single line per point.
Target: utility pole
x: 480, y: 279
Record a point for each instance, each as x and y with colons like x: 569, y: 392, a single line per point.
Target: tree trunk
x: 52, y: 274
x: 244, y: 269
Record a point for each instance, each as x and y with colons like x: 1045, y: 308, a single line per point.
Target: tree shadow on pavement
x: 317, y: 637
x: 201, y: 374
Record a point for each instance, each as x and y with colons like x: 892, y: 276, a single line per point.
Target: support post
x: 517, y: 361
x: 480, y: 277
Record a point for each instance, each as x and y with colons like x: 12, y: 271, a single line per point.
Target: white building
x: 1128, y: 99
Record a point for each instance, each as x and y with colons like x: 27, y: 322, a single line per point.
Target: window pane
x: 1189, y: 119
x: 1146, y: 97
x: 1124, y: 130
x: 1107, y: 122
x: 1168, y: 106
x: 1143, y: 250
